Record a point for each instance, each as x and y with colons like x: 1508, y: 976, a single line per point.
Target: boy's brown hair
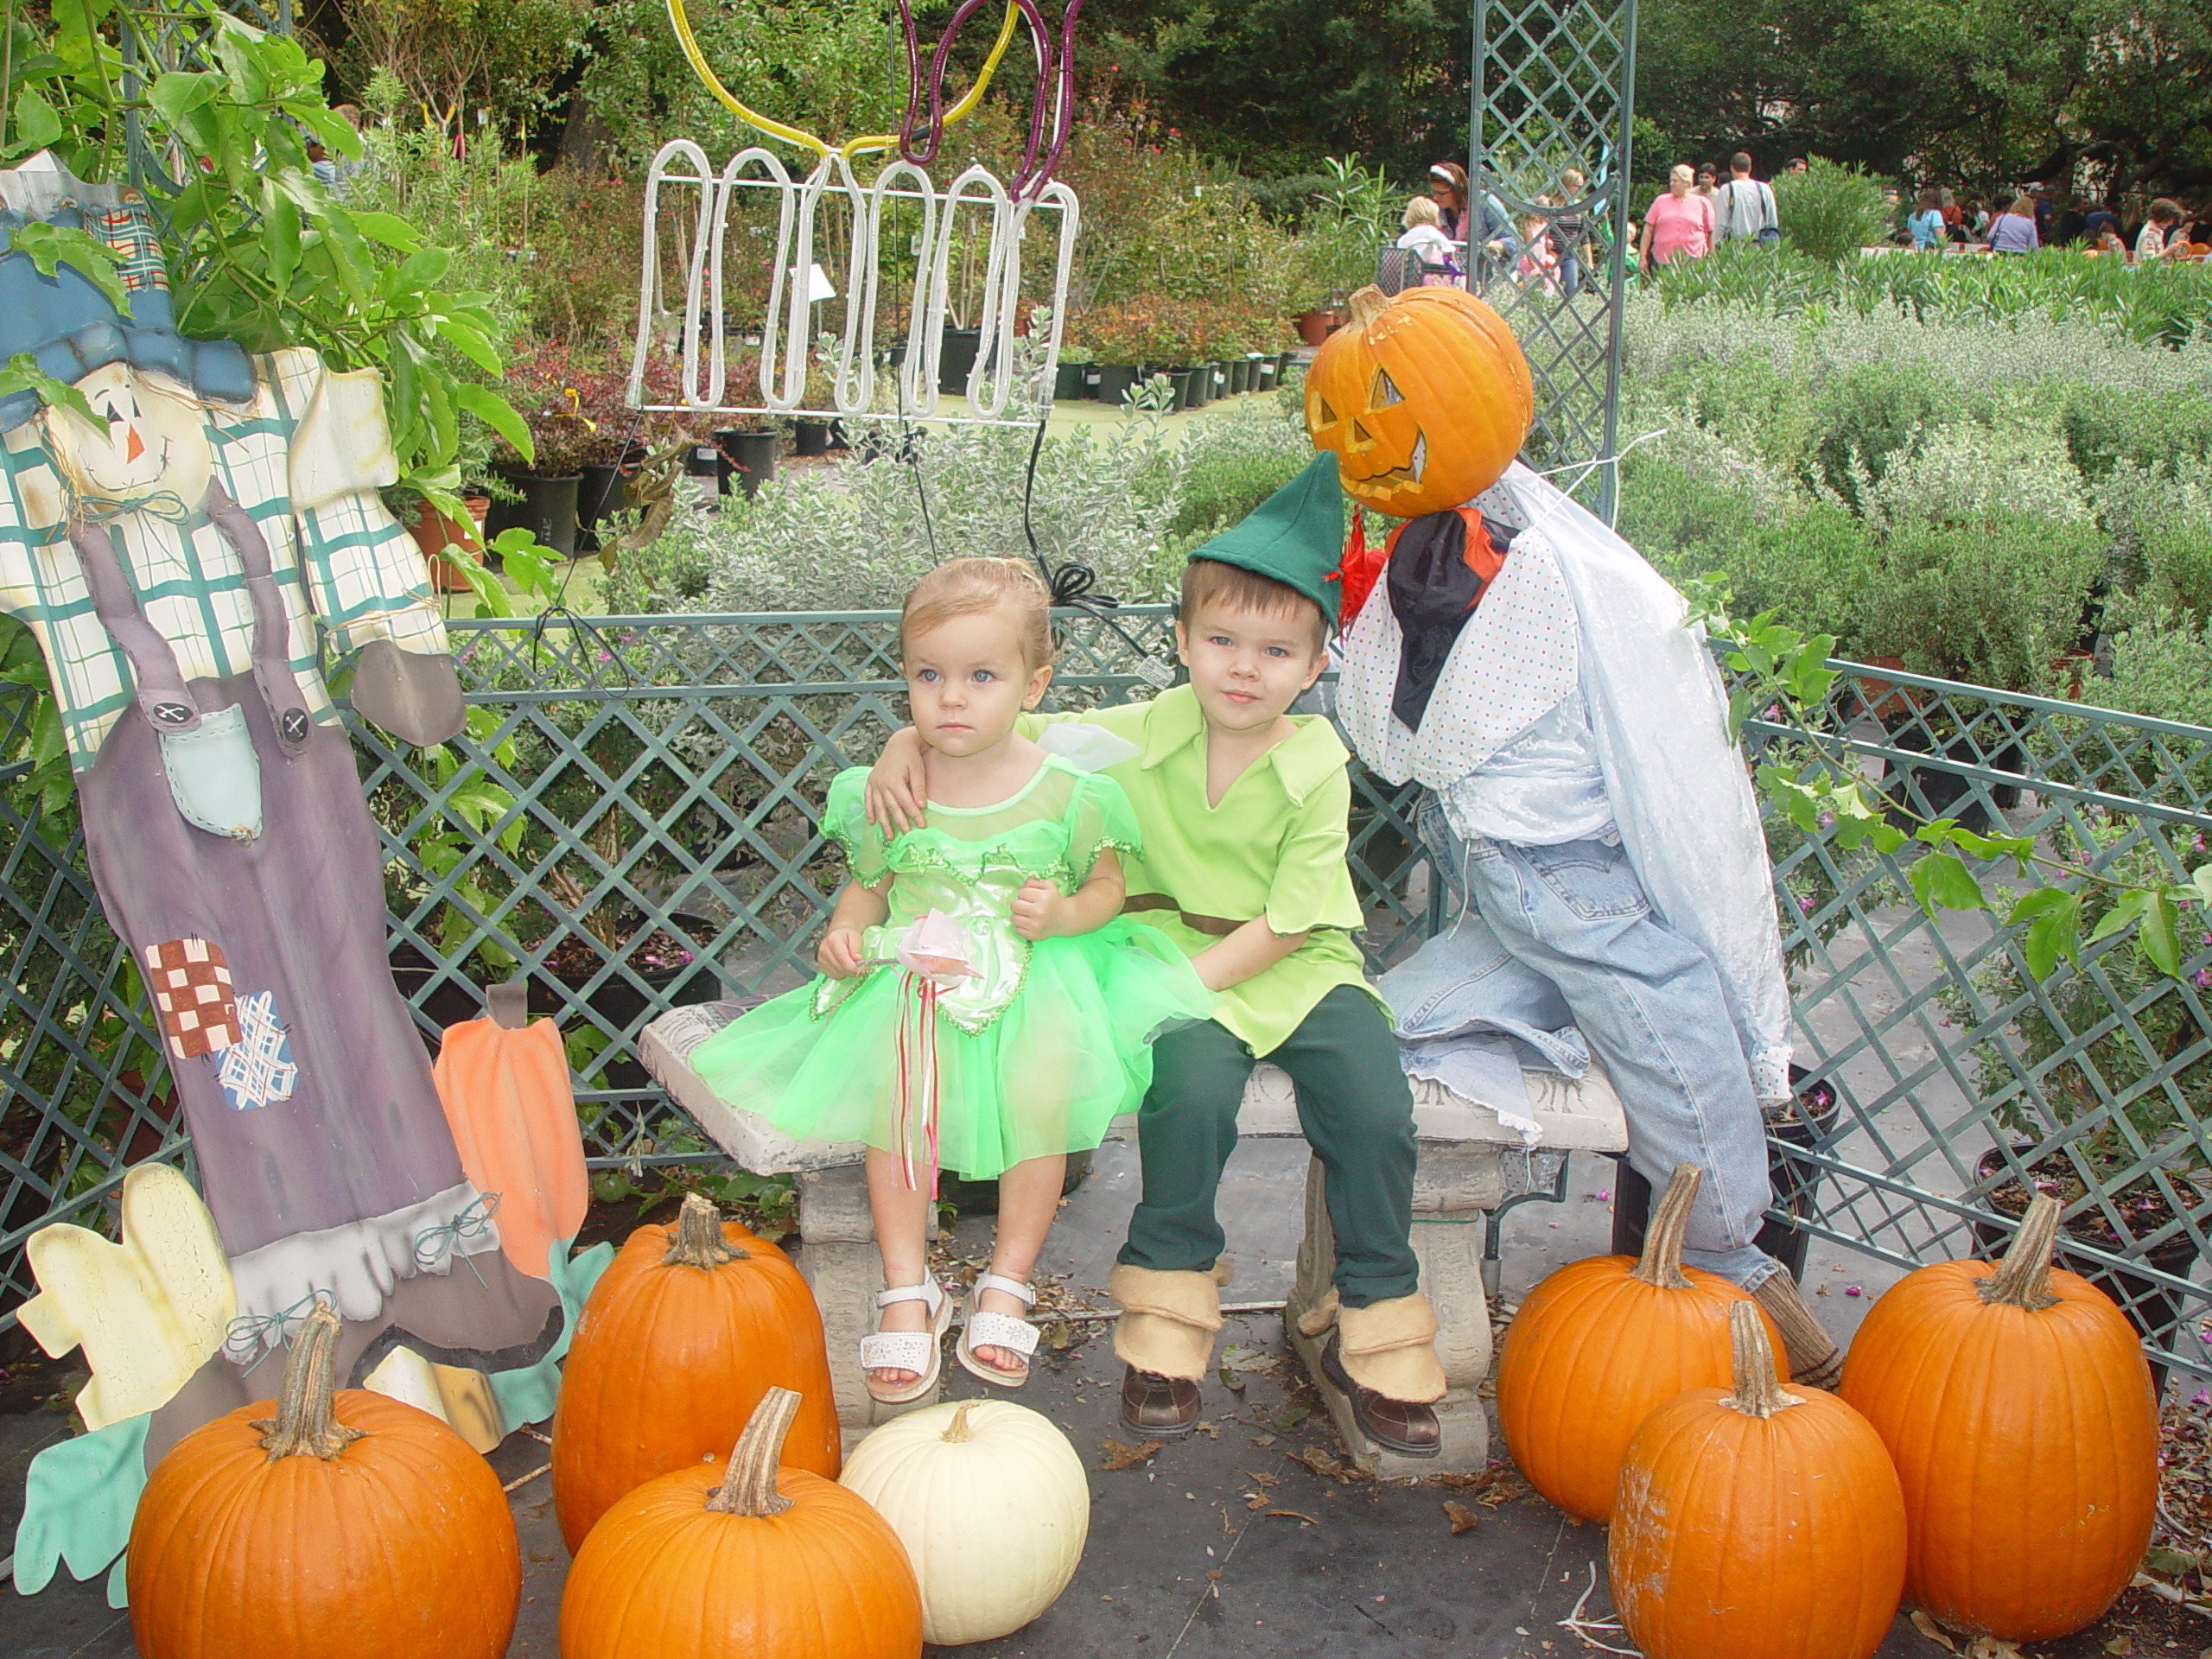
x: 971, y: 587
x: 1210, y: 581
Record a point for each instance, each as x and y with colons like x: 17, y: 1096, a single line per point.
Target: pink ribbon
x: 918, y: 993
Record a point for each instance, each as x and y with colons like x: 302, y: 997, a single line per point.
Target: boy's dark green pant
x: 1357, y: 1113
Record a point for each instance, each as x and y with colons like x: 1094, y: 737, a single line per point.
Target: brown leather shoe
x: 1397, y: 1426
x: 1160, y: 1407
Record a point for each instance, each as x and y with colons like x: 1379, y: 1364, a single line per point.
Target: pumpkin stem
x: 749, y: 1487
x: 1758, y: 1391
x: 1367, y: 305
x: 304, y: 1423
x: 697, y: 1239
x: 957, y: 1429
x: 2023, y: 1278
x: 1662, y: 1262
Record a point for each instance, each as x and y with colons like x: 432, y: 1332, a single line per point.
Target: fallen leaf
x: 1257, y: 1500
x: 1316, y: 1459
x: 1928, y: 1628
x: 1988, y: 1647
x: 1296, y: 1514
x: 1286, y: 1420
x: 1230, y: 1380
x: 1247, y: 1359
x: 1122, y: 1455
x: 2165, y: 1558
x: 1263, y: 1481
x: 1462, y: 1519
x: 1211, y: 1431
x: 2122, y: 1645
x: 1263, y: 1439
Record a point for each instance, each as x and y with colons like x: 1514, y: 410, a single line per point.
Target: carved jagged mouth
x: 1410, y: 474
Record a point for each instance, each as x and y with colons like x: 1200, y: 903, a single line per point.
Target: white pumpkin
x: 992, y: 1503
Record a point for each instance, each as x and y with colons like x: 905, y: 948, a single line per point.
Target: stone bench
x: 1474, y: 1166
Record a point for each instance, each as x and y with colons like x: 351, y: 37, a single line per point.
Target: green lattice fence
x: 631, y: 822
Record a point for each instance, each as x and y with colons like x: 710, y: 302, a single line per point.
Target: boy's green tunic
x: 1273, y: 846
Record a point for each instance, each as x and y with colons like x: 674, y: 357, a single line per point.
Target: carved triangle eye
x: 1384, y: 392
x: 1328, y: 415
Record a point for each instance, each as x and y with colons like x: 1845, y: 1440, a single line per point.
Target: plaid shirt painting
x: 339, y: 558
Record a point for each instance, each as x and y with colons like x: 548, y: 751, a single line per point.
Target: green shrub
x: 1868, y: 416
x: 1995, y: 604
x: 1219, y: 490
x: 2105, y: 426
x: 2179, y: 570
x: 1828, y: 212
x: 1676, y: 517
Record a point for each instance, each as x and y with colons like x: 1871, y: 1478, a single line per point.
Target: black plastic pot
x: 748, y: 457
x: 1114, y: 380
x: 1218, y: 386
x: 549, y: 509
x: 811, y: 438
x: 1199, y: 391
x: 2158, y: 1314
x: 1068, y: 380
x: 1947, y: 794
x: 1264, y: 374
x: 702, y: 461
x: 599, y: 495
x: 1240, y: 376
x: 1807, y: 1125
x: 955, y: 357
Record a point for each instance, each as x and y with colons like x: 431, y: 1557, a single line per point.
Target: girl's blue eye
x: 1277, y: 651
x: 927, y: 677
x: 983, y: 676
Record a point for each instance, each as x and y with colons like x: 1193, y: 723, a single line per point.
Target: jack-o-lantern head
x: 1425, y: 399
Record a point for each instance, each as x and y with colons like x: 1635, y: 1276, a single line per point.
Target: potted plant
x: 2084, y: 1133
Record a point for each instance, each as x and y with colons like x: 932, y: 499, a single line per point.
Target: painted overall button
x: 294, y: 725
x: 172, y: 714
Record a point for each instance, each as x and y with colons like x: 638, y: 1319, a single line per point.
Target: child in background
x: 1425, y: 236
x: 982, y: 1006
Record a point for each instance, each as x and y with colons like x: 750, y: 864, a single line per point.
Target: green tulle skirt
x: 1067, y: 1055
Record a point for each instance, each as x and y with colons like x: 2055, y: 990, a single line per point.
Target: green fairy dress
x: 1034, y: 1056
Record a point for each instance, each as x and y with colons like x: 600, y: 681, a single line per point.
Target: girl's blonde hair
x: 1421, y: 210
x: 972, y: 586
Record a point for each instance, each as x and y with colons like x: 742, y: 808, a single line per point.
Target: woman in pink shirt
x: 1680, y: 223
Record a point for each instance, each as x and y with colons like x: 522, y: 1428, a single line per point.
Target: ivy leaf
x: 36, y: 125
x: 50, y: 246
x: 23, y: 374
x: 2158, y: 938
x: 2054, y: 928
x: 2018, y: 848
x: 1941, y: 881
x: 176, y: 94
x: 2202, y: 880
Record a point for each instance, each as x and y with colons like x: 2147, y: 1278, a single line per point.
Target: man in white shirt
x: 1743, y: 207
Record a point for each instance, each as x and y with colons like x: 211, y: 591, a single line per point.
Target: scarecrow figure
x: 1583, y: 799
x: 176, y: 557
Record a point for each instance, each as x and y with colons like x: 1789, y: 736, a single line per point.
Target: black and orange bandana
x: 1439, y: 565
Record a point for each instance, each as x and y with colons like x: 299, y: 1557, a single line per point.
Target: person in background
x: 1926, y: 223
x: 1425, y: 237
x: 1796, y: 165
x: 1677, y: 224
x: 2099, y: 223
x: 2157, y: 240
x: 1706, y: 172
x: 1538, y: 265
x: 1447, y: 188
x: 1745, y: 209
x: 2068, y: 228
x: 1570, y: 234
x: 2014, y: 229
x: 2046, y: 208
x: 1977, y: 220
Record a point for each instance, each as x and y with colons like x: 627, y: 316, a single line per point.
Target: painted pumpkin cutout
x: 1424, y: 399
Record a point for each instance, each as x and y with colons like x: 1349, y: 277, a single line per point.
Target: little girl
x: 982, y: 1007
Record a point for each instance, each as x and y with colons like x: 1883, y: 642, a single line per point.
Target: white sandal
x: 990, y: 1329
x: 907, y: 1351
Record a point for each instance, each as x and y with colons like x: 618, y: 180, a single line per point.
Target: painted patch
x: 258, y: 1068
x: 191, y: 982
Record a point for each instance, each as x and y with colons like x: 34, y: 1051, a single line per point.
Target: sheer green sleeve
x: 844, y: 820
x: 1100, y: 818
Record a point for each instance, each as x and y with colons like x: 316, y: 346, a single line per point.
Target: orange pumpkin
x: 513, y: 1116
x: 756, y: 1563
x: 685, y: 1332
x: 1425, y: 398
x: 2018, y: 1406
x: 1757, y: 1519
x: 1598, y: 1344
x: 351, y: 1527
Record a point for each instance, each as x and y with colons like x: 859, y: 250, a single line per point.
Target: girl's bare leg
x: 902, y: 1241
x: 1029, y: 1197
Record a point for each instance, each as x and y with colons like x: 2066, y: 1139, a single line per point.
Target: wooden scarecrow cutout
x: 177, y: 557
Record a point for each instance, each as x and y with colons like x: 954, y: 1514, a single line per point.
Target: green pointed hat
x: 1296, y: 536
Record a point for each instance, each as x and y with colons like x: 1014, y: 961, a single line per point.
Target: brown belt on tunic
x: 1220, y: 926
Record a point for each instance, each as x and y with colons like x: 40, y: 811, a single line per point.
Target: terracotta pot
x: 433, y: 531
x: 1313, y: 325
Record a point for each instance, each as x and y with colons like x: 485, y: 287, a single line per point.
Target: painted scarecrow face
x: 146, y: 435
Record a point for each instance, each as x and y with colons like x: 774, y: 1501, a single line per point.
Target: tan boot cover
x: 1808, y: 1349
x: 1167, y: 1319
x: 1390, y: 1347
x: 1320, y: 1317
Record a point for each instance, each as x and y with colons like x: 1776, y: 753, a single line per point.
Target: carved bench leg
x: 837, y: 1259
x: 1449, y: 1247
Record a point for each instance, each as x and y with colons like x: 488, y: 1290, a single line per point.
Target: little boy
x: 1243, y: 808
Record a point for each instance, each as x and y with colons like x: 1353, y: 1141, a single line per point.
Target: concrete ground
x: 1225, y: 1545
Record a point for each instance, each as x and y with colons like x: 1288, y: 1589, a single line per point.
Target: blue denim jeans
x: 1544, y: 930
